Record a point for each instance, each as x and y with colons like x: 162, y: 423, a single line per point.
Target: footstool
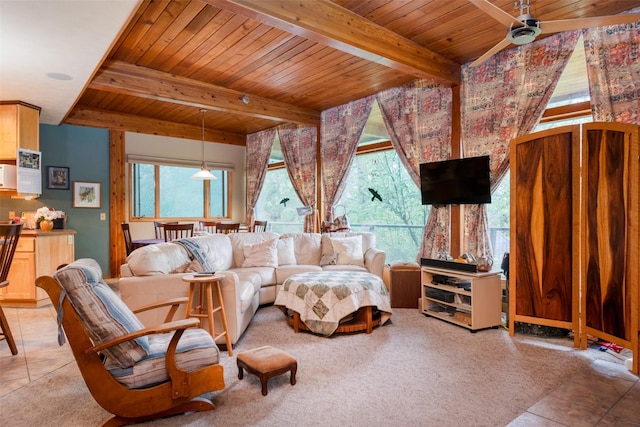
x: 266, y: 362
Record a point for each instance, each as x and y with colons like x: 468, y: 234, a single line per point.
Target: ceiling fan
x: 525, y: 28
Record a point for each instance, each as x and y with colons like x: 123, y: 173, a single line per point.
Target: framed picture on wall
x: 58, y: 178
x: 86, y: 194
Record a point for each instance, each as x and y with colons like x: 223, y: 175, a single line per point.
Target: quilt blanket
x: 324, y: 298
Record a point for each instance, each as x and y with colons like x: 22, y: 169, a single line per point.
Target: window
x: 498, y: 212
x: 166, y: 191
x: 398, y: 219
x: 278, y: 200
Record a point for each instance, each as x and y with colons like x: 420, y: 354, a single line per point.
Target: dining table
x: 145, y: 242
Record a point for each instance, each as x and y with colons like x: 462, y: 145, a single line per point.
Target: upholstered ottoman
x: 266, y: 362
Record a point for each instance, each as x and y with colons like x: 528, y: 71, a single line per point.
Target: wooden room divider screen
x: 575, y: 236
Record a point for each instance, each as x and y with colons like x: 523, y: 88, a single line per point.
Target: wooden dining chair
x: 158, y: 227
x: 9, y: 235
x: 126, y: 232
x: 259, y: 226
x: 177, y: 231
x: 227, y: 228
x: 209, y: 226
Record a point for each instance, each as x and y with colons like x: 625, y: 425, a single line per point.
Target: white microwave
x: 8, y: 177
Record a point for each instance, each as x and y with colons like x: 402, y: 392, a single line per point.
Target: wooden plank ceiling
x: 255, y: 64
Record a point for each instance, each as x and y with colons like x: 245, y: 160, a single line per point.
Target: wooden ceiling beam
x: 124, y: 78
x: 330, y: 24
x: 85, y: 116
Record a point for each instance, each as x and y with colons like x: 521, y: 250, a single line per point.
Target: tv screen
x: 456, y: 182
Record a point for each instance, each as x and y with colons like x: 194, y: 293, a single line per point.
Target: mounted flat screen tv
x: 456, y: 181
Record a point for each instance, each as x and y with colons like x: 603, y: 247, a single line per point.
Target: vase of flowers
x: 45, y: 217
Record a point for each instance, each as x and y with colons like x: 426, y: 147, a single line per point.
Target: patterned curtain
x: 299, y: 148
x: 418, y: 119
x: 613, y: 67
x: 504, y: 98
x: 259, y: 146
x: 340, y: 131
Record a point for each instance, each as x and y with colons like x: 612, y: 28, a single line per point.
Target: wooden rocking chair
x: 179, y: 394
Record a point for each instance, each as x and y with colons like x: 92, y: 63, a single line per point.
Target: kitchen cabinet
x: 37, y: 254
x: 19, y: 128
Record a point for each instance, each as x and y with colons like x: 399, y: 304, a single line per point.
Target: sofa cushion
x: 218, y: 249
x: 263, y: 254
x: 349, y: 250
x: 102, y: 312
x: 368, y: 240
x: 238, y: 240
x: 267, y: 274
x: 306, y: 247
x: 196, y: 349
x: 331, y: 259
x: 345, y: 268
x: 245, y: 275
x: 284, y: 271
x: 162, y: 258
x: 286, y: 251
x: 246, y: 292
x: 192, y: 266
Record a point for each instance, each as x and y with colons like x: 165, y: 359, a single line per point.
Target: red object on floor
x: 611, y: 346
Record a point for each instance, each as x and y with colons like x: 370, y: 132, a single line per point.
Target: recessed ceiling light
x: 59, y: 76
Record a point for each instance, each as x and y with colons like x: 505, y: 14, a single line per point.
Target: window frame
x: 206, y: 188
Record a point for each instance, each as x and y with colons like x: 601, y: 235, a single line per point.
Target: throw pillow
x: 101, y: 311
x: 328, y: 260
x: 263, y: 254
x: 349, y: 250
x: 286, y: 253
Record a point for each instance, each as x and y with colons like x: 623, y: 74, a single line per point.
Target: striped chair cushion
x: 196, y: 349
x: 102, y: 312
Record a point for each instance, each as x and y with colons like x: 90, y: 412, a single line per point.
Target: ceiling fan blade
x: 549, y: 27
x: 488, y: 54
x: 496, y: 13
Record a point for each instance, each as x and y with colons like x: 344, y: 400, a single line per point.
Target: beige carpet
x: 413, y: 371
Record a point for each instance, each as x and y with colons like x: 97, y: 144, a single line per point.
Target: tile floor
x: 604, y: 395
x: 35, y: 332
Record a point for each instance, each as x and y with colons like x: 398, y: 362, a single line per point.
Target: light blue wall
x: 85, y: 151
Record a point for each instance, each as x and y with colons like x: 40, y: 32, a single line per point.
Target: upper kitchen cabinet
x: 19, y: 128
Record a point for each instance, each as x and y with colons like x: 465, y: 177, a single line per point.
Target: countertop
x: 55, y: 232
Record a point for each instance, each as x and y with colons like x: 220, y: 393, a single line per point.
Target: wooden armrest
x: 163, y: 303
x: 180, y: 383
x: 173, y: 302
x: 159, y: 329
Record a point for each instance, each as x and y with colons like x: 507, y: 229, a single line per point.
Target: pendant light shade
x: 204, y: 172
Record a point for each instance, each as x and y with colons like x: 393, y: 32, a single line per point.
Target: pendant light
x: 203, y: 173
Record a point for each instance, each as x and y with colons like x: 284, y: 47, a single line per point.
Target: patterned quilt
x: 324, y: 298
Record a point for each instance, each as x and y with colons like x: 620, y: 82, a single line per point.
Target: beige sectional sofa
x: 254, y: 266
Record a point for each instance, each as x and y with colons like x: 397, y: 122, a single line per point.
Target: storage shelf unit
x: 478, y: 308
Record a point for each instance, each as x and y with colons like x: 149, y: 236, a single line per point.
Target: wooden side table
x: 207, y: 283
x: 404, y: 284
